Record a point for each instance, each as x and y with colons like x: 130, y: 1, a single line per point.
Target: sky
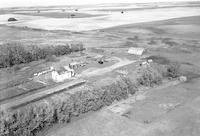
x: 19, y: 3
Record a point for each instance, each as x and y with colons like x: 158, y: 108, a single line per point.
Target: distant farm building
x: 136, y: 51
x: 12, y: 19
x: 75, y: 64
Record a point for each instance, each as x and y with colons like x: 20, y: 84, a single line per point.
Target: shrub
x: 135, y: 38
x: 131, y: 85
x: 50, y: 58
x: 173, y: 70
x: 37, y: 53
x: 149, y: 76
x: 72, y: 15
x: 169, y: 41
x: 12, y: 54
x: 62, y: 50
x: 76, y: 47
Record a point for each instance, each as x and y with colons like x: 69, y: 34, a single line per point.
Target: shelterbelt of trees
x: 15, y: 53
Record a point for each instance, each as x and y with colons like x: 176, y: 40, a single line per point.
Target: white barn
x: 136, y: 51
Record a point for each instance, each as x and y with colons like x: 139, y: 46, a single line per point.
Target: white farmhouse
x: 62, y: 74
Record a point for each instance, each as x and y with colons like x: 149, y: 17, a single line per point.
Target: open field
x: 168, y: 33
x: 114, y: 19
x: 49, y: 20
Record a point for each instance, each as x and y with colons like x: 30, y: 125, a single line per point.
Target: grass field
x: 90, y: 18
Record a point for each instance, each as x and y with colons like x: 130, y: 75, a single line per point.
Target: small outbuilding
x: 183, y: 78
x: 44, y: 71
x: 74, y: 65
x: 136, y: 51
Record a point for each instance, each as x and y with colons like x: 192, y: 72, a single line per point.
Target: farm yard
x: 66, y: 69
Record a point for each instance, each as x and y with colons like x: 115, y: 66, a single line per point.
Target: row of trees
x: 12, y: 54
x: 29, y: 120
x: 153, y: 74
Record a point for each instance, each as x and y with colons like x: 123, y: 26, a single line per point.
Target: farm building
x: 44, y: 71
x: 57, y: 74
x: 62, y: 74
x: 136, y: 51
x: 75, y: 64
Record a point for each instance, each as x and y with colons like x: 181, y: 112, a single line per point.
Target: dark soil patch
x: 169, y: 41
x: 130, y: 44
x: 60, y: 15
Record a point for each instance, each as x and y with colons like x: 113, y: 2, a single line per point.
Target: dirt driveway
x: 101, y: 71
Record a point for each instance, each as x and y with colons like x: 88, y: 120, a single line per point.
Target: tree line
x: 12, y: 54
